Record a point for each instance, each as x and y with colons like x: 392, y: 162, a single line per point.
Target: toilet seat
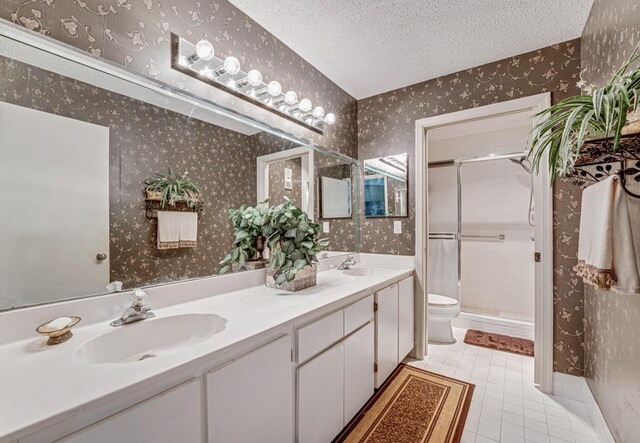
x: 441, y: 300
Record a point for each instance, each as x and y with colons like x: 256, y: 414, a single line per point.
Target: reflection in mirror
x: 385, y: 186
x: 76, y: 150
x: 334, y: 185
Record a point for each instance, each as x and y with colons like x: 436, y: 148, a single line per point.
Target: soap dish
x: 58, y: 333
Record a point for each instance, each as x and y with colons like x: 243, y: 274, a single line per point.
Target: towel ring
x: 622, y: 177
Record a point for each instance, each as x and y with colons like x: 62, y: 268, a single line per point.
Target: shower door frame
x: 543, y: 324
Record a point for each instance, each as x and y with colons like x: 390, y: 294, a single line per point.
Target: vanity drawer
x: 358, y: 314
x: 318, y: 335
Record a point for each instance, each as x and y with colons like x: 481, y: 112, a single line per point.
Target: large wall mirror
x: 77, y: 144
x: 385, y: 186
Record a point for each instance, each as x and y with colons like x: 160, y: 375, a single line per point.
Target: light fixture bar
x: 199, y: 61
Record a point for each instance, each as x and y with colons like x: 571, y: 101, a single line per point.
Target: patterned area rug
x: 413, y: 406
x: 500, y: 342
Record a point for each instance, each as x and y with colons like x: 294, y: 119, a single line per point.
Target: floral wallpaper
x: 136, y: 34
x: 386, y: 127
x: 612, y: 337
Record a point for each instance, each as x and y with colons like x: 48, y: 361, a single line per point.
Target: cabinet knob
x: 101, y: 256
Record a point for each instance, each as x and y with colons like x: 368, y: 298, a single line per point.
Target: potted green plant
x: 171, y: 189
x: 608, y: 111
x: 248, y: 243
x: 293, y: 240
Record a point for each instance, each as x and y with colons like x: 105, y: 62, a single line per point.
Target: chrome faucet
x: 136, y: 312
x: 347, y: 263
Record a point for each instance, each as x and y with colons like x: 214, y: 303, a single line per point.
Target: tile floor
x: 505, y: 406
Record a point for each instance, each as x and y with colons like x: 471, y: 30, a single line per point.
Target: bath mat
x: 500, y: 342
x: 412, y: 406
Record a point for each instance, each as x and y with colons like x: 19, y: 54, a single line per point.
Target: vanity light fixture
x: 199, y: 61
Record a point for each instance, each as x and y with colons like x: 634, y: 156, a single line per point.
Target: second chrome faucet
x: 137, y: 311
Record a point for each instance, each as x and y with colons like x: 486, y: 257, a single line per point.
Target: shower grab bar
x: 453, y: 236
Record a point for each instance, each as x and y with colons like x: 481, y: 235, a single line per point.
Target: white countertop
x: 41, y: 384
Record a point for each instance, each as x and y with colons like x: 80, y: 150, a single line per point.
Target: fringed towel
x: 177, y: 230
x: 606, y: 253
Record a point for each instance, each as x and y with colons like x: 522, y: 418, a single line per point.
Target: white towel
x: 606, y: 253
x: 177, y: 229
x: 168, y: 230
x: 626, y: 242
x: 188, y: 229
x: 443, y: 268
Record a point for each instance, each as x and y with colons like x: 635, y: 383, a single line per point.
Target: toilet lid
x: 441, y: 300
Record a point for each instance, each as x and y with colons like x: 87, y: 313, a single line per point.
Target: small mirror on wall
x: 334, y: 184
x: 385, y: 186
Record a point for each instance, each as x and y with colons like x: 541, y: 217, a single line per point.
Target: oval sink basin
x: 151, y: 338
x: 359, y: 272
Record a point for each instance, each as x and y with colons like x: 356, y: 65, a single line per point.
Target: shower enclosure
x: 481, y: 233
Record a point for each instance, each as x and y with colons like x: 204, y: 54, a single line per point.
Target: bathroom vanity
x: 225, y: 359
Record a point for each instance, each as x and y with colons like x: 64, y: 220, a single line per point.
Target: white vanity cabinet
x: 175, y: 415
x: 337, y: 382
x: 251, y: 398
x: 394, y: 327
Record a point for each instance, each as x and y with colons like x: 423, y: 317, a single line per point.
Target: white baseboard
x: 576, y: 388
x: 512, y: 328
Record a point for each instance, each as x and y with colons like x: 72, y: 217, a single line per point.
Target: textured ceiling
x: 372, y: 46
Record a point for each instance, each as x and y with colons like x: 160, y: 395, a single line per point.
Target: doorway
x: 488, y: 165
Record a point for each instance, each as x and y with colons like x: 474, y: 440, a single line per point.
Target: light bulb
x: 231, y: 65
x: 318, y: 112
x: 254, y: 77
x: 204, y: 50
x: 330, y: 118
x: 232, y: 84
x: 305, y: 105
x: 206, y: 72
x: 274, y: 88
x: 291, y: 98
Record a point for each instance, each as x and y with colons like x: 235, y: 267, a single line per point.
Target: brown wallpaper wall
x: 136, y: 34
x: 386, y: 126
x: 612, y: 336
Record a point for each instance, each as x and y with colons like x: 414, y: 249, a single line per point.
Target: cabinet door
x: 175, y: 415
x: 405, y: 317
x: 386, y: 333
x: 251, y: 399
x: 359, y: 350
x: 321, y: 396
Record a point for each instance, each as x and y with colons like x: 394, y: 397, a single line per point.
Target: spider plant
x: 173, y: 189
x: 600, y: 111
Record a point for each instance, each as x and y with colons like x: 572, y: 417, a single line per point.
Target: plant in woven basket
x: 248, y: 240
x: 173, y: 189
x: 293, y: 239
x: 599, y: 112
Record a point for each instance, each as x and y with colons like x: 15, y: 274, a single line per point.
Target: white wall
x: 497, y: 276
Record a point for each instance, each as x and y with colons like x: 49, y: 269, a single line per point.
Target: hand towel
x: 443, y: 268
x: 626, y: 242
x: 606, y: 251
x: 188, y: 229
x: 168, y: 230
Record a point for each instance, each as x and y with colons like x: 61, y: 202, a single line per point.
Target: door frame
x: 308, y: 174
x: 543, y: 193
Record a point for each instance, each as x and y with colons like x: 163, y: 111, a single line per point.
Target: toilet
x: 440, y: 311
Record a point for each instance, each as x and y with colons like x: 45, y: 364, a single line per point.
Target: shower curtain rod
x: 490, y: 157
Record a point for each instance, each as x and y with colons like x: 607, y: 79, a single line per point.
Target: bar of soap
x: 57, y: 324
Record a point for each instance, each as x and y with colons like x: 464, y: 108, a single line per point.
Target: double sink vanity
x: 225, y: 359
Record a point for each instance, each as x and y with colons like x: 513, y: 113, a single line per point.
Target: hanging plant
x: 599, y: 112
x: 171, y: 189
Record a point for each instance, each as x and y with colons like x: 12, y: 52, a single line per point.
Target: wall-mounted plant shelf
x: 598, y: 161
x: 154, y: 204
